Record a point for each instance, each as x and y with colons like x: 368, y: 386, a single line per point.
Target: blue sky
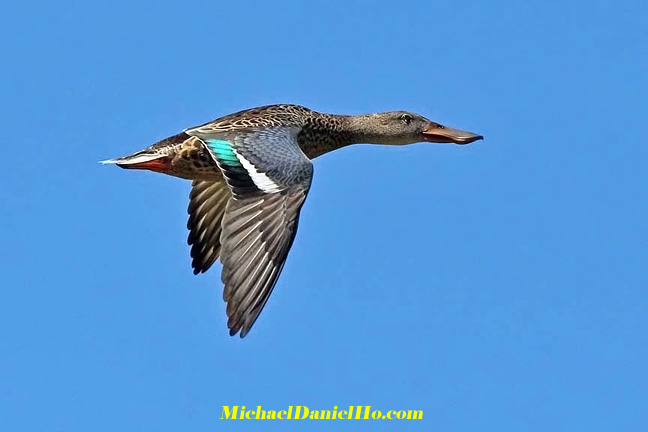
x: 497, y: 286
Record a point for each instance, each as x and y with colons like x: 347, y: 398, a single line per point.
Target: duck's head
x: 402, y: 127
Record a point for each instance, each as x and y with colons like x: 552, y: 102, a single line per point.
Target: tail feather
x: 135, y: 158
x: 109, y: 161
x: 157, y: 157
x: 141, y: 160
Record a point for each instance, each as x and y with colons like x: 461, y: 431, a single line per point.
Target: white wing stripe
x: 261, y: 180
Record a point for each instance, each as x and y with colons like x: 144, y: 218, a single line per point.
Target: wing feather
x: 207, y: 203
x: 269, y: 178
x: 253, y: 258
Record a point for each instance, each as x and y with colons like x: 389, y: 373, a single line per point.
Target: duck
x: 251, y: 172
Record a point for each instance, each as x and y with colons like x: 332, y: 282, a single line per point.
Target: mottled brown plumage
x: 251, y: 173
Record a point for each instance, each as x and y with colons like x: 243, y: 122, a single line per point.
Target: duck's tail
x: 157, y: 157
x: 145, y: 159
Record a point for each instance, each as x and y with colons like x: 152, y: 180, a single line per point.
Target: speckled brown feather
x: 320, y: 133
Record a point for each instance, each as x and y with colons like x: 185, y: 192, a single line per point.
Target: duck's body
x: 251, y: 172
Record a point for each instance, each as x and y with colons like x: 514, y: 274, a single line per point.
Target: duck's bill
x: 444, y: 134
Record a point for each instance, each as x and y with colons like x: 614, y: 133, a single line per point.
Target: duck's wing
x: 269, y: 178
x: 207, y: 203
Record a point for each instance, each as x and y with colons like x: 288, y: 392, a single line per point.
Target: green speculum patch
x: 224, y: 152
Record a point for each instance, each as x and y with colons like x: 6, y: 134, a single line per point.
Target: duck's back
x: 264, y: 117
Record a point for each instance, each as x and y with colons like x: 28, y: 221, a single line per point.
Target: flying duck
x: 251, y: 172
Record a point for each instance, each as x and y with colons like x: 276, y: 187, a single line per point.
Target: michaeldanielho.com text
x: 300, y: 412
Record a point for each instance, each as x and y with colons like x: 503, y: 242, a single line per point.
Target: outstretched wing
x: 269, y: 178
x: 207, y: 203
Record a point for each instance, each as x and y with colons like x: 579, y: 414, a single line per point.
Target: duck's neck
x: 323, y: 133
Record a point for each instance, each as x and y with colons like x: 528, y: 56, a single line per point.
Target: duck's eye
x: 406, y: 118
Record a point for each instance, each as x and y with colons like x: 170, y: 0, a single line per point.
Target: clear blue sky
x: 497, y: 286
